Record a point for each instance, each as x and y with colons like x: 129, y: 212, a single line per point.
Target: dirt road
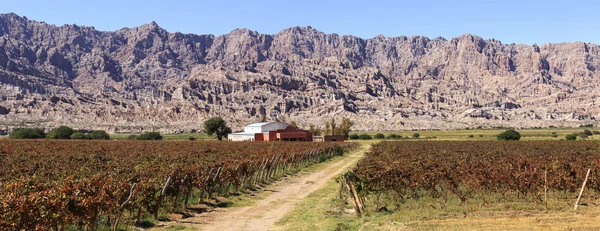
x: 286, y: 193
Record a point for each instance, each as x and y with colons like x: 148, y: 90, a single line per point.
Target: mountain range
x: 146, y: 78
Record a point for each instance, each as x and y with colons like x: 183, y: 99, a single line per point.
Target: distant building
x: 271, y: 131
x: 290, y: 133
x: 252, y: 129
x: 336, y: 138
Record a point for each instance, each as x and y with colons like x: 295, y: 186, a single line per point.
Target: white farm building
x: 251, y: 129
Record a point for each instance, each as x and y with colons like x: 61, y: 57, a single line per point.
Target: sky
x: 510, y: 21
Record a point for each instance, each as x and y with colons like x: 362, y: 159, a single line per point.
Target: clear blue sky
x: 511, y: 21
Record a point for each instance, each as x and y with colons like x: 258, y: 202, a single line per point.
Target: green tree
x: 365, y: 137
x: 333, y: 126
x: 150, y: 136
x: 62, y: 132
x: 588, y: 132
x: 345, y: 127
x: 393, y: 136
x: 27, y: 133
x: 416, y: 135
x: 314, y: 130
x: 216, y: 125
x: 510, y: 134
x: 354, y: 137
x: 379, y: 136
x: 79, y: 136
x: 99, y: 135
x: 327, y: 128
x: 571, y: 137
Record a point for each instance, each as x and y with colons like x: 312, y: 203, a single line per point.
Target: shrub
x: 150, y: 136
x: 583, y: 136
x: 27, y: 133
x: 62, y: 132
x: 78, y: 136
x: 379, y: 136
x: 354, y: 137
x: 99, y: 135
x: 416, y: 135
x: 394, y: 136
x: 471, y: 136
x: 191, y: 138
x: 595, y: 132
x: 480, y: 135
x: 132, y: 137
x: 365, y: 137
x: 586, y: 126
x: 571, y: 137
x: 587, y: 132
x: 554, y: 135
x: 509, y: 135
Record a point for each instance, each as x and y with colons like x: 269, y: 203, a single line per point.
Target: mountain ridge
x: 146, y: 78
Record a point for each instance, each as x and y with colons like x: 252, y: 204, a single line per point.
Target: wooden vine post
x: 118, y: 219
x: 545, y: 189
x: 582, y: 188
x: 160, y: 197
x: 353, y: 195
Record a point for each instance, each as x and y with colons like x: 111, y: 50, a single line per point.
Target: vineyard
x: 491, y: 172
x: 55, y: 185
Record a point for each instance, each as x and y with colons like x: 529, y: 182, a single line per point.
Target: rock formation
x: 145, y: 78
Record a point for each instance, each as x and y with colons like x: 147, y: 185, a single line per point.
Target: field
x: 58, y: 185
x: 472, y: 185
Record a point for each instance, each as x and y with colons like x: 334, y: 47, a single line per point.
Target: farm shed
x: 290, y: 133
x: 271, y: 131
x: 256, y: 128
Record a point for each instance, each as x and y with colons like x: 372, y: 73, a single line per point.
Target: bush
x: 583, y: 136
x: 555, y: 136
x: 394, y: 136
x: 416, y: 135
x: 587, y: 132
x: 379, y: 136
x: 586, y: 126
x: 191, y: 138
x: 471, y: 136
x: 27, y: 133
x: 99, y: 135
x: 571, y: 137
x: 62, y: 132
x: 480, y: 135
x: 150, y: 136
x: 365, y: 137
x: 132, y: 137
x: 354, y: 137
x: 595, y: 132
x: 509, y: 135
x: 79, y: 136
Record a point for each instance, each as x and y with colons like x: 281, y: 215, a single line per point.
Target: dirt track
x: 286, y: 193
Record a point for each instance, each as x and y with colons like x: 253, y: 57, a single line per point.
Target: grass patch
x: 183, y: 136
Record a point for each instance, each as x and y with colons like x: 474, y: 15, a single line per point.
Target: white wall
x: 233, y: 137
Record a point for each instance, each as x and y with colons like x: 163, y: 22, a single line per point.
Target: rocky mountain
x: 146, y: 78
